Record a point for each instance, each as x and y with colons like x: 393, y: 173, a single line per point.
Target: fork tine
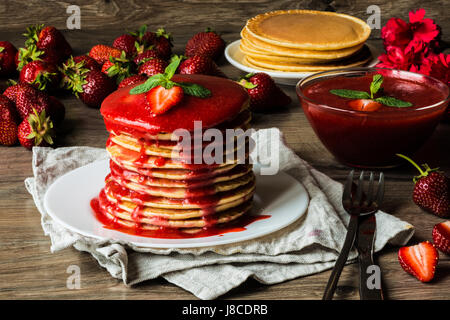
x: 369, y: 199
x: 347, y: 195
x: 359, y: 190
x: 380, y: 191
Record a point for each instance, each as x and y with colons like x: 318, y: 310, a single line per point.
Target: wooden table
x: 27, y: 267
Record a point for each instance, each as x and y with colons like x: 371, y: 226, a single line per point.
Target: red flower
x: 437, y: 66
x: 410, y: 36
x: 396, y: 58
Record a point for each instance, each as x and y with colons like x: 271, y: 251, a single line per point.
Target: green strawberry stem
x: 422, y: 172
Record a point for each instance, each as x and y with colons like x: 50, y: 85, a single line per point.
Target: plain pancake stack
x: 304, y: 41
x: 154, y: 184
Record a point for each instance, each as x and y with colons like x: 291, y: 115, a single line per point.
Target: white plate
x: 236, y: 57
x: 67, y: 201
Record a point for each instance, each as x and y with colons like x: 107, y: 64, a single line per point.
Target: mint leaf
x: 193, y: 89
x: 352, y: 94
x: 172, y: 67
x: 377, y: 80
x: 392, y: 102
x: 154, y: 81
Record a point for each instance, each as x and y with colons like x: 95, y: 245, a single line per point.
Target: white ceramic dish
x: 235, y: 56
x: 68, y: 202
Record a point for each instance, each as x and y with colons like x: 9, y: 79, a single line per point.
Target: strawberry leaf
x: 352, y: 94
x: 393, y: 102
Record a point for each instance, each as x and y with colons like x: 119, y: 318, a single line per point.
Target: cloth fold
x: 309, y: 245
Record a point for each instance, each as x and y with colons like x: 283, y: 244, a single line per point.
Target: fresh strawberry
x: 49, y: 39
x: 163, y: 43
x: 152, y: 67
x: 102, y: 53
x: 144, y: 37
x: 36, y: 130
x: 11, y: 91
x: 56, y: 111
x: 29, y: 98
x: 8, y: 122
x: 441, y: 236
x: 87, y: 61
x: 126, y: 43
x: 91, y: 86
x: 161, y: 99
x: 7, y: 58
x: 206, y: 43
x: 200, y: 65
x: 132, y: 80
x: 419, y: 260
x: 26, y: 55
x: 145, y: 56
x: 264, y: 93
x: 364, y: 105
x: 431, y: 190
x: 118, y: 68
x: 40, y: 74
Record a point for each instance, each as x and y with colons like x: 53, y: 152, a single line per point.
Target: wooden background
x: 29, y: 270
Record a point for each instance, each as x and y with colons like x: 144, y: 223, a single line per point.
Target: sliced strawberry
x: 364, y: 105
x: 419, y: 260
x: 161, y: 99
x: 441, y: 236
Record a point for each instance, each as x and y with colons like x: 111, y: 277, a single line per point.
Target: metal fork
x: 355, y: 204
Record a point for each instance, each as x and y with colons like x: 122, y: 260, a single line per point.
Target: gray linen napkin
x: 308, y: 246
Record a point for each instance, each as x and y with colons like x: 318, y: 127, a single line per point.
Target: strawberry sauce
x: 171, y: 233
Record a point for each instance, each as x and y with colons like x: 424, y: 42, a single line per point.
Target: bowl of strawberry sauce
x: 365, y: 116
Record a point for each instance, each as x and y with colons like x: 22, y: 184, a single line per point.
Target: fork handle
x: 342, y: 259
x: 369, y: 279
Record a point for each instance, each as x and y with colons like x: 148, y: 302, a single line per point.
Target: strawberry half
x: 441, y: 236
x: 364, y: 105
x: 161, y: 99
x: 419, y: 260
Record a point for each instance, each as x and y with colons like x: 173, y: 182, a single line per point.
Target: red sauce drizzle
x: 172, y: 233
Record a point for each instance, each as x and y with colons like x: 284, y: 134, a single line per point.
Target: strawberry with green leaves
x: 118, y: 68
x: 431, y: 189
x: 91, y: 86
x: 36, y: 130
x: 40, y: 74
x: 48, y: 39
x: 132, y: 80
x: 207, y: 43
x: 162, y: 93
x: 126, y: 43
x: 152, y: 66
x: 198, y: 64
x: 163, y: 43
x: 7, y: 58
x: 101, y: 53
x: 264, y: 93
x: 367, y: 101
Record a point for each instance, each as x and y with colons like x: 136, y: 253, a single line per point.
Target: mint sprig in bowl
x: 364, y: 116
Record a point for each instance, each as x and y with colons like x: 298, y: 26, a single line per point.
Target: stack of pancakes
x: 156, y: 183
x: 304, y: 41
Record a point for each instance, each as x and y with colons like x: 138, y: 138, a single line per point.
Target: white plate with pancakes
x: 236, y: 57
x: 68, y: 199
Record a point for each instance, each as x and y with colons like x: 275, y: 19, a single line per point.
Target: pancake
x: 115, y: 191
x: 176, y: 174
x: 256, y: 46
x: 144, y: 180
x: 359, y: 59
x: 184, y: 193
x: 308, y: 29
x: 213, y: 219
